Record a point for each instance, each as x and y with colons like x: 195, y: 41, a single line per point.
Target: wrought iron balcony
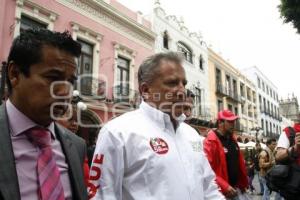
x: 124, y: 94
x: 221, y: 90
x: 239, y: 127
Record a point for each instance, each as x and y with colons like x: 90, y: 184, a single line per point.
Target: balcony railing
x: 239, y: 127
x: 205, y: 114
x: 233, y: 95
x: 124, y: 94
x: 221, y: 90
x: 91, y: 88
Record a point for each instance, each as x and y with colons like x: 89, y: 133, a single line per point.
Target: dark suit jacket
x: 74, y: 149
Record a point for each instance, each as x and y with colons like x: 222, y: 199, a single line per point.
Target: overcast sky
x: 246, y: 32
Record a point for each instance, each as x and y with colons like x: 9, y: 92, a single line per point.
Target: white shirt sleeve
x: 107, y: 169
x: 210, y: 187
x: 283, y: 141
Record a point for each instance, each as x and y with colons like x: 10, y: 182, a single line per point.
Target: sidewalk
x: 256, y: 186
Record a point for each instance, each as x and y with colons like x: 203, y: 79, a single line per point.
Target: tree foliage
x: 290, y: 12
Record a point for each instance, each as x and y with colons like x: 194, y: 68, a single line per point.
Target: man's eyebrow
x: 57, y: 71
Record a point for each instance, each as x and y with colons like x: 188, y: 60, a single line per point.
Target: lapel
x: 9, y: 185
x: 73, y: 160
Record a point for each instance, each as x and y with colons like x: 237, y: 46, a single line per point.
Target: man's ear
x: 144, y: 90
x: 13, y: 74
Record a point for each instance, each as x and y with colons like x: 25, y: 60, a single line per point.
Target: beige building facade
x: 229, y: 89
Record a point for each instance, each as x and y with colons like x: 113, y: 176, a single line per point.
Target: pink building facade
x: 115, y: 41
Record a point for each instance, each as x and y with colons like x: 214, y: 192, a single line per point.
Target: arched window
x: 166, y: 40
x: 186, y: 52
x: 201, y: 62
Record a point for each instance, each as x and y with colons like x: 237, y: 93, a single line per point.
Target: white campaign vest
x: 139, y: 156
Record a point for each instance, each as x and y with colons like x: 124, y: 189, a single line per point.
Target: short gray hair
x: 148, y: 69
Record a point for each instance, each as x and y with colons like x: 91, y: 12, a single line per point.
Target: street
x: 256, y: 186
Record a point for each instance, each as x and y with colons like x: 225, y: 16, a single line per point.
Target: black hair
x: 26, y: 49
x: 270, y: 140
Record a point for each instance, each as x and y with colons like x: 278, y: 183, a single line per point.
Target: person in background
x: 258, y: 149
x: 225, y: 157
x: 69, y: 121
x: 266, y: 162
x: 250, y: 172
x: 91, y: 150
x: 287, y: 151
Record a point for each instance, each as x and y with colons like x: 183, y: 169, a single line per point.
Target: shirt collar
x: 18, y: 122
x: 159, y: 117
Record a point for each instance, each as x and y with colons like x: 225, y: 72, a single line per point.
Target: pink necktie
x: 50, y: 186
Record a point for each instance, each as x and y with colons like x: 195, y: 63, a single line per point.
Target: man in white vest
x: 151, y: 153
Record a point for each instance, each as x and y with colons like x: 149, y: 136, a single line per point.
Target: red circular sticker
x: 159, y: 146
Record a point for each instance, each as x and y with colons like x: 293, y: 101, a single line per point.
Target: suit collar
x: 72, y: 158
x: 8, y: 173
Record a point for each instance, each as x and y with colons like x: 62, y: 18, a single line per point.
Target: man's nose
x: 181, y: 91
x: 63, y: 89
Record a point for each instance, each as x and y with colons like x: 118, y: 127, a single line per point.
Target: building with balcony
x: 232, y: 90
x: 114, y: 39
x: 173, y: 35
x: 224, y: 86
x: 268, y: 103
x: 248, y: 107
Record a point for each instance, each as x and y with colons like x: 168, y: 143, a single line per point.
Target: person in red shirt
x: 225, y: 157
x: 69, y: 121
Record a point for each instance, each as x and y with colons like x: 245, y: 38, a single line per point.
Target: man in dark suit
x: 39, y: 158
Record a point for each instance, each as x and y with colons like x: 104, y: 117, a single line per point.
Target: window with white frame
x: 258, y: 82
x: 32, y: 15
x: 85, y: 67
x: 90, y: 82
x: 220, y: 105
x: 123, y: 74
x: 198, y: 99
x: 29, y: 23
x: 230, y: 107
x: 201, y: 62
x: 236, y: 110
x: 186, y: 52
x: 166, y: 40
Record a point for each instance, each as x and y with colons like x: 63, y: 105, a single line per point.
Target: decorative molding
x: 93, y: 38
x: 110, y: 17
x: 88, y: 32
x: 124, y: 51
x: 34, y: 11
x: 179, y: 25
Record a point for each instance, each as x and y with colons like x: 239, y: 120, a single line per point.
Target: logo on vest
x: 159, y: 146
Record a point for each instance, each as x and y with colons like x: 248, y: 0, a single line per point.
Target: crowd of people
x: 150, y: 153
